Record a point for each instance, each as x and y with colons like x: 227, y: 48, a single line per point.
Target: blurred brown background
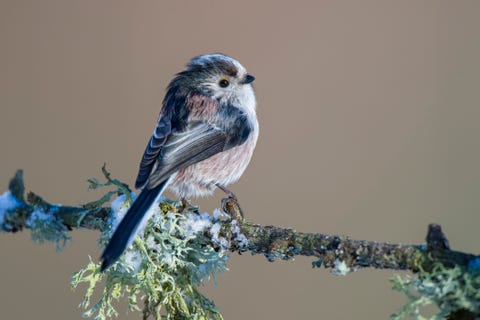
x: 369, y: 117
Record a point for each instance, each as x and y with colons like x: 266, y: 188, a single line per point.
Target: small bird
x: 204, y: 139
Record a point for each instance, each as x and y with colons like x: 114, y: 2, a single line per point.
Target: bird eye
x: 223, y: 82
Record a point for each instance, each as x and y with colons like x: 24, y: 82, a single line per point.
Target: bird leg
x: 187, y: 206
x: 231, y: 195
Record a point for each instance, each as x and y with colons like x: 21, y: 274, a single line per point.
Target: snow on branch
x: 179, y: 249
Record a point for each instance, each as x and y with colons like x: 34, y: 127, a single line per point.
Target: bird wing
x: 152, y: 151
x: 182, y: 149
x: 189, y: 134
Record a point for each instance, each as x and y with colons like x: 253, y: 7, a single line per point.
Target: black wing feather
x: 153, y: 149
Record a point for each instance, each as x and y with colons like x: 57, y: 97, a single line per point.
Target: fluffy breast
x: 223, y: 168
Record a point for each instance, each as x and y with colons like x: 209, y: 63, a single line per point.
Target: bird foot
x: 187, y: 206
x: 231, y: 206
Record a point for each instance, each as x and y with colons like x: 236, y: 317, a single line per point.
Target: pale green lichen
x: 164, y: 270
x: 450, y: 290
x: 46, y: 224
x: 46, y: 227
x: 341, y: 268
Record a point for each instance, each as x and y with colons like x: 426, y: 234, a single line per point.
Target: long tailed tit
x: 204, y: 139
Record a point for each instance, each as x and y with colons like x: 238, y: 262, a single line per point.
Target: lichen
x: 341, y: 268
x: 163, y: 268
x: 175, y: 253
x: 46, y: 227
x: 450, y: 289
x: 8, y: 203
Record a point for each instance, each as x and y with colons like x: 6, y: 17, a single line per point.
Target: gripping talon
x: 187, y: 206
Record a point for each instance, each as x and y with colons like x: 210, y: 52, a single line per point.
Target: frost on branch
x: 176, y: 252
x: 41, y: 219
x: 164, y: 267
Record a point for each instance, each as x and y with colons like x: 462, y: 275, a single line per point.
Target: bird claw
x: 187, y: 206
x: 231, y: 206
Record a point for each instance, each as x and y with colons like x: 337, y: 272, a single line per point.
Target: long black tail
x: 128, y: 227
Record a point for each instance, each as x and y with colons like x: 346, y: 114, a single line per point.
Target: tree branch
x: 339, y: 253
x: 329, y: 249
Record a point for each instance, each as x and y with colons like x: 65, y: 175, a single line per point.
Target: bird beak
x: 248, y: 79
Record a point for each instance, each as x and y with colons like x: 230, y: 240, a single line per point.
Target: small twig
x: 273, y: 242
x: 340, y: 253
x: 285, y: 243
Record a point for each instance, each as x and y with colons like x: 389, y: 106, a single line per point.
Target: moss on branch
x: 434, y: 263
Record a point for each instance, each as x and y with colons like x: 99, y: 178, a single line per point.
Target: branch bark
x: 339, y: 253
x: 273, y: 242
